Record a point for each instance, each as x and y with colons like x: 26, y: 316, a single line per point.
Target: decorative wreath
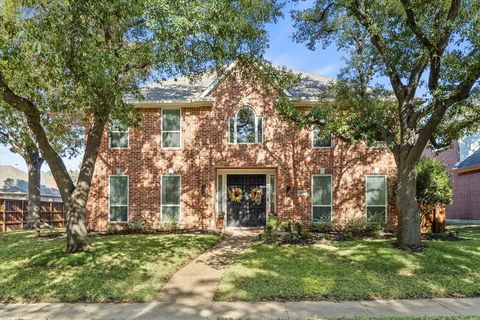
x: 236, y: 195
x: 256, y: 195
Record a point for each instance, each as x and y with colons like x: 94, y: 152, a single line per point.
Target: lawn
x: 353, y: 270
x: 126, y: 268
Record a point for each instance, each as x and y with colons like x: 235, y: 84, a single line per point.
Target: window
x: 171, y: 132
x: 171, y: 190
x: 245, y: 127
x: 376, y: 199
x: 118, y: 199
x: 318, y: 141
x: 220, y: 194
x: 119, y: 137
x: 321, y: 198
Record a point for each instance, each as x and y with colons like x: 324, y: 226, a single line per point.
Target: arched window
x: 245, y: 127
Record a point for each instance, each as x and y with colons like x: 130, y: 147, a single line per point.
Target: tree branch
x: 32, y: 114
x: 460, y: 93
x: 380, y: 45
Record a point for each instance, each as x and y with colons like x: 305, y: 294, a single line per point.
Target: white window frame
x: 110, y: 131
x: 312, y: 135
x: 235, y: 128
x: 386, y: 195
x: 170, y: 205
x: 321, y: 205
x: 174, y: 131
x: 128, y: 197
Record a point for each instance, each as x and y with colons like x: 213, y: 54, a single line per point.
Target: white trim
x: 321, y: 205
x: 173, y: 131
x: 235, y: 127
x: 128, y: 197
x: 386, y: 195
x: 180, y: 217
x: 218, y: 80
x: 110, y: 131
x: 312, y: 131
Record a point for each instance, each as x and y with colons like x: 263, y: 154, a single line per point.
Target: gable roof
x: 182, y: 90
x: 13, y: 180
x: 470, y: 163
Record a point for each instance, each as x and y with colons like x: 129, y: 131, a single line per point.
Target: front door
x: 249, y: 209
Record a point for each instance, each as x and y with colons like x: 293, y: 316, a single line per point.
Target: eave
x: 467, y: 169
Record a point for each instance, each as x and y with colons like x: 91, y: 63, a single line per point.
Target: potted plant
x: 220, y: 220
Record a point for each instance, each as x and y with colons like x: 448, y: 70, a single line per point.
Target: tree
x: 21, y: 143
x: 428, y: 45
x: 433, y: 183
x: 83, y: 57
x: 64, y: 135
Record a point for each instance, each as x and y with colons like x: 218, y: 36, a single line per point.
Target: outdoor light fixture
x: 118, y: 170
x: 202, y: 188
x: 289, y: 190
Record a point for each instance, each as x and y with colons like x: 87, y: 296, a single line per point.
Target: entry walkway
x: 241, y: 310
x: 198, y: 280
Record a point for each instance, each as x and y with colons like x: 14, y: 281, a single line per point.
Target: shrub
x: 433, y: 182
x: 273, y: 222
x: 136, y: 226
x: 350, y: 228
x: 322, y: 227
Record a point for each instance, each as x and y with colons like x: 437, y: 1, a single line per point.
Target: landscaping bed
x: 123, y: 268
x: 358, y: 269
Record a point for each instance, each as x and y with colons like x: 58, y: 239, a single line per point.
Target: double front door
x: 246, y: 200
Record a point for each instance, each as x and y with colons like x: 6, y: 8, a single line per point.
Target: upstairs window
x: 119, y: 137
x: 171, y: 131
x: 245, y: 127
x: 318, y: 141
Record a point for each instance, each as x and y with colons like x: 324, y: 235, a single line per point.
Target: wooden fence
x: 13, y: 214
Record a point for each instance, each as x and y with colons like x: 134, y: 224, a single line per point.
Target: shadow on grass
x: 354, y: 270
x: 122, y: 268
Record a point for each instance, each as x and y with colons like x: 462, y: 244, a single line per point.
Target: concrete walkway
x: 242, y: 310
x: 198, y: 280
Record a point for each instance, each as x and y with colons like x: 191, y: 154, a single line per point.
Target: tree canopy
x: 430, y: 53
x: 82, y: 58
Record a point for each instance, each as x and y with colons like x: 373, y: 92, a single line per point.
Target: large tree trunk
x: 75, y: 197
x: 409, y: 236
x: 34, y: 165
x: 77, y: 201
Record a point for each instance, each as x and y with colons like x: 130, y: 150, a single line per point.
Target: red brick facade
x: 466, y: 186
x: 285, y: 152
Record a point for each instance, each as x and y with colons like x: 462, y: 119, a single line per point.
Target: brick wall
x: 205, y: 150
x: 466, y: 186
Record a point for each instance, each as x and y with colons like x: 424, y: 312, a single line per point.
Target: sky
x: 282, y: 51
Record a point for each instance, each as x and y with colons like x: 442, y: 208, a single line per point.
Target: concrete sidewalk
x: 244, y: 310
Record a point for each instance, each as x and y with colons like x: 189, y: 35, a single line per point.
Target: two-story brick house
x: 218, y: 146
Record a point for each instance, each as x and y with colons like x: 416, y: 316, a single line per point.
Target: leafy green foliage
x: 355, y: 270
x: 124, y: 268
x: 433, y: 182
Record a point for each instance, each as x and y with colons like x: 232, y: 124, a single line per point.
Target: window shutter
x: 231, y: 130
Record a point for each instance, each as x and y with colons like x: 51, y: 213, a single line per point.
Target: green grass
x: 129, y: 268
x: 355, y: 270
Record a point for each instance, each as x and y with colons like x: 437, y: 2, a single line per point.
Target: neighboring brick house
x: 197, y: 142
x: 462, y: 162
